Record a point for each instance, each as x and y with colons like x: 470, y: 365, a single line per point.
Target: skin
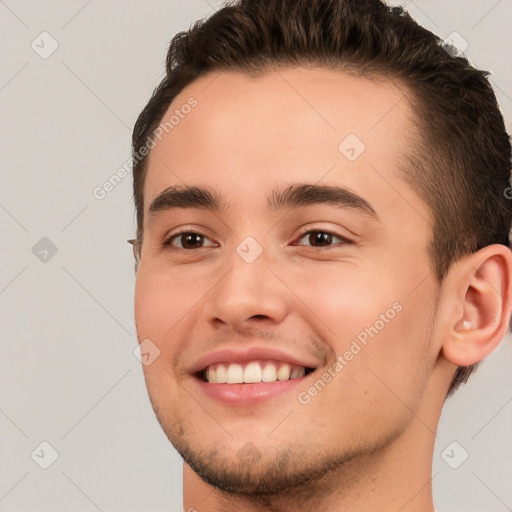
x: 365, y: 441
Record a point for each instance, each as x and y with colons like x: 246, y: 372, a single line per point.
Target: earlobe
x: 481, y: 295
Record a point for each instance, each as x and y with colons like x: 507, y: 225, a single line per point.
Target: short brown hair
x: 461, y: 159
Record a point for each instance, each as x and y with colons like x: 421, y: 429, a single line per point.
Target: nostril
x: 259, y: 317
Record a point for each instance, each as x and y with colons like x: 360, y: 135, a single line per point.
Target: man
x: 323, y: 252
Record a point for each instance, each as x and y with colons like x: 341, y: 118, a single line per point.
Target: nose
x: 248, y: 294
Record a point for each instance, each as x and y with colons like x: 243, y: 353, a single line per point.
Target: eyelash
x: 167, y: 244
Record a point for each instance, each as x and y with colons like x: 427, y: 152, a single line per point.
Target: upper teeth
x: 255, y: 371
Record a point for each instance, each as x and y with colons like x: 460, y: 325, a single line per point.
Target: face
x: 291, y: 316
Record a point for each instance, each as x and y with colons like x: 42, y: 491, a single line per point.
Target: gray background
x: 68, y: 373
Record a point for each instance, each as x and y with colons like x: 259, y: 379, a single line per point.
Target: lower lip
x: 248, y: 394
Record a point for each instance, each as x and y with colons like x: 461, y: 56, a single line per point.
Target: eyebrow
x: 293, y: 196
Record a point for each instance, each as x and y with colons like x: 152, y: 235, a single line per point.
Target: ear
x: 478, y: 299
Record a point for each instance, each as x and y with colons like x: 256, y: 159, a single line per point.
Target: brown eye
x: 187, y: 240
x: 321, y: 238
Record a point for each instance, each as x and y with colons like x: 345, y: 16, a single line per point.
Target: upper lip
x: 247, y: 354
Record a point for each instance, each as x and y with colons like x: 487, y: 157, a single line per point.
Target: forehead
x: 245, y: 134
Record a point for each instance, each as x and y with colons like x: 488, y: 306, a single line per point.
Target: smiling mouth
x: 252, y: 372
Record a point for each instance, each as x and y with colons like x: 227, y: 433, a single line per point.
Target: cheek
x: 165, y: 305
x: 343, y: 298
x: 379, y: 332
x: 158, y: 306
x: 160, y: 302
x: 373, y: 318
